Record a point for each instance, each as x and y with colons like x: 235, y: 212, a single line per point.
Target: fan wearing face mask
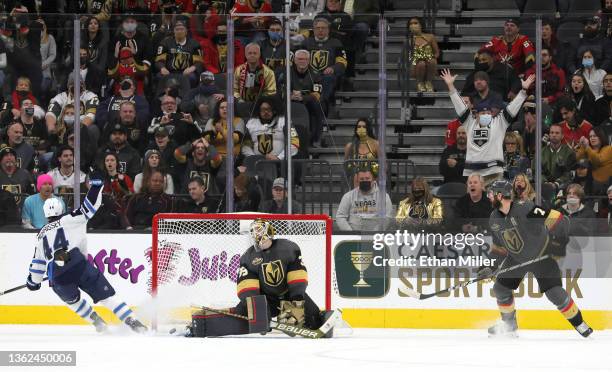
x: 592, y: 73
x: 595, y: 42
x: 358, y: 209
x: 273, y: 48
x: 485, y: 132
x: 420, y: 208
x: 582, y: 217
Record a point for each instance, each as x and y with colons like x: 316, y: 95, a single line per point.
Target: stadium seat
x: 455, y: 189
x: 220, y: 81
x: 584, y: 8
x: 528, y: 28
x: 536, y: 7
x: 569, y: 32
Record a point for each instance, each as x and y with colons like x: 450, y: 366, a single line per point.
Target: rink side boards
x: 474, y: 308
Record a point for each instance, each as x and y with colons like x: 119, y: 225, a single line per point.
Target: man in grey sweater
x: 358, y: 209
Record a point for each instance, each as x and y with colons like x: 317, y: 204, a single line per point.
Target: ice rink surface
x: 364, y: 350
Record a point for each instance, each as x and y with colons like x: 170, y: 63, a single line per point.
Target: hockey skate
x: 98, y: 322
x: 187, y: 331
x: 584, y: 329
x: 504, y: 328
x: 135, y: 325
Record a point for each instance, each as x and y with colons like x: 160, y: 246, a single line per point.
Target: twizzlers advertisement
x: 126, y: 263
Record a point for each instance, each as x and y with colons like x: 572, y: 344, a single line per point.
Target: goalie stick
x: 286, y: 328
x: 17, y: 288
x: 422, y: 296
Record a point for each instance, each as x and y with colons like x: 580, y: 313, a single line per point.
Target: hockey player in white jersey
x: 61, y: 253
x: 485, y: 151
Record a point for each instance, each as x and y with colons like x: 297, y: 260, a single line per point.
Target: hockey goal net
x: 195, y: 258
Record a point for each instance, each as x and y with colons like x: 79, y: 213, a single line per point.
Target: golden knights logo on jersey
x: 203, y: 175
x: 512, y: 240
x: 273, y: 273
x: 15, y: 190
x: 319, y: 60
x: 480, y: 136
x: 180, y: 59
x: 418, y: 210
x: 265, y: 143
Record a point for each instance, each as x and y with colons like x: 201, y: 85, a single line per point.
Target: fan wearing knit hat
x: 32, y: 214
x: 153, y: 161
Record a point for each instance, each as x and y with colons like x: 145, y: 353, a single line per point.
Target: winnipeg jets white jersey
x: 69, y: 232
x: 485, y: 144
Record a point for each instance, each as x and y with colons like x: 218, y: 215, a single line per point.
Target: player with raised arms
x: 61, y: 253
x: 272, y: 279
x: 523, y: 232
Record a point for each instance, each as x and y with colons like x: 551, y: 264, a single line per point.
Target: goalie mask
x: 262, y: 233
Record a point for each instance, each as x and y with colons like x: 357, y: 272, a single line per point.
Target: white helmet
x: 53, y: 207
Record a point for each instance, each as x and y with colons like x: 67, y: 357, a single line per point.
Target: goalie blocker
x: 272, y: 281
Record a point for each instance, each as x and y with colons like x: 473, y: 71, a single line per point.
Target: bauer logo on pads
x: 356, y: 274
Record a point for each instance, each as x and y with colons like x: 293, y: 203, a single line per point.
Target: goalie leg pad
x: 208, y: 324
x: 257, y: 312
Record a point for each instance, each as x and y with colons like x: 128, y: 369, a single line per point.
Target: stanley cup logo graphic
x: 361, y: 261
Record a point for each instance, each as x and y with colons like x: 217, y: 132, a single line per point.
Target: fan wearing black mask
x: 420, y: 208
x: 215, y: 51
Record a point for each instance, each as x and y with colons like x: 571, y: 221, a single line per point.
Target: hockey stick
x: 422, y: 296
x: 289, y: 329
x: 17, y: 288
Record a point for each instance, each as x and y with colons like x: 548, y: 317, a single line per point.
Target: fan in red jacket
x: 215, y: 51
x: 553, y: 78
x: 249, y: 25
x: 513, y: 48
x: 203, y: 24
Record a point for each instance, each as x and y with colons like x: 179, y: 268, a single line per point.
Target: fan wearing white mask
x: 485, y: 131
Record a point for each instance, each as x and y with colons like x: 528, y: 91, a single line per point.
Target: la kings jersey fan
x: 485, y: 132
x: 61, y: 253
x: 523, y: 232
x: 272, y: 268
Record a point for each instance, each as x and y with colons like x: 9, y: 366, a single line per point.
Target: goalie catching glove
x: 292, y: 313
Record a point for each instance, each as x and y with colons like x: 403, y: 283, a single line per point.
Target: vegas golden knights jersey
x: 324, y: 54
x: 276, y: 272
x: 524, y: 231
x: 177, y: 57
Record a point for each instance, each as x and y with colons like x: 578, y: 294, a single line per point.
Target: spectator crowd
x: 153, y: 117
